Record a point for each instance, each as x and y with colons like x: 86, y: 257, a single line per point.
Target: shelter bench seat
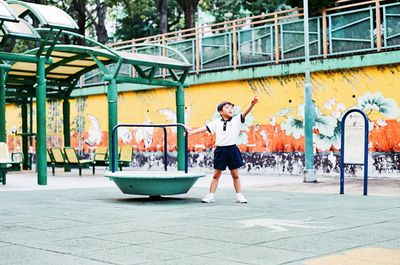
x: 9, y: 162
x: 74, y: 161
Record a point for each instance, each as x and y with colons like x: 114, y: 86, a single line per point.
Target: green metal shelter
x: 53, y: 69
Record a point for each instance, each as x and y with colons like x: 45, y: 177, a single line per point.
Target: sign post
x: 354, y: 144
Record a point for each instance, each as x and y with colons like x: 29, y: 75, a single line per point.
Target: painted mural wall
x: 272, y: 137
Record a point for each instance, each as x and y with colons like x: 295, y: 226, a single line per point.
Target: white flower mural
x: 387, y: 106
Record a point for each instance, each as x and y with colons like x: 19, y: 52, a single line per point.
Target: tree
x: 224, y: 10
x: 79, y: 6
x: 163, y: 10
x: 98, y: 19
x: 315, y: 6
x: 189, y: 9
x: 141, y: 18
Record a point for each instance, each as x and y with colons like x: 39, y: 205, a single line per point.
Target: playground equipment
x: 153, y: 183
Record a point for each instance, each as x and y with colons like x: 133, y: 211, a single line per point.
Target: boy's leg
x: 238, y: 187
x: 214, y: 181
x: 236, y: 180
x: 210, y: 197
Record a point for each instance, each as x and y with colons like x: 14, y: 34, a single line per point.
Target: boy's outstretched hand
x: 254, y: 101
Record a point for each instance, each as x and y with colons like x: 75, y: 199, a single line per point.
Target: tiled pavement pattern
x: 104, y: 226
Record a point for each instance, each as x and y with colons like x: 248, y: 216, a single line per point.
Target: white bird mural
x: 124, y: 134
x: 145, y: 134
x: 94, y: 133
x: 171, y: 115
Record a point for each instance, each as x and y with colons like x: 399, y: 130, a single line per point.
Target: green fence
x: 347, y: 32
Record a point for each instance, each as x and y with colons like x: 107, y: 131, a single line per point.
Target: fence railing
x: 277, y: 37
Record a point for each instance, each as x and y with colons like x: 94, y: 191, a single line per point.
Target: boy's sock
x: 209, y: 198
x: 240, y: 198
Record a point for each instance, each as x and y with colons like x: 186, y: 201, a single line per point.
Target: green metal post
x: 3, y: 133
x: 66, y: 122
x: 180, y: 118
x: 24, y: 116
x: 112, y: 97
x: 31, y: 120
x: 41, y: 159
x: 309, y: 175
x: 66, y: 127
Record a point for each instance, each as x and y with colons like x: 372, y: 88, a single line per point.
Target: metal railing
x: 164, y: 127
x: 278, y: 37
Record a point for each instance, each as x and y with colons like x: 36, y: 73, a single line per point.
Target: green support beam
x: 112, y: 97
x: 41, y: 158
x: 18, y: 57
x: 24, y: 117
x: 31, y: 120
x: 180, y: 118
x: 3, y: 133
x: 155, y: 82
x: 66, y: 122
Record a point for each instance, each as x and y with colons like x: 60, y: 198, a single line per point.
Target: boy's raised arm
x: 198, y: 130
x: 249, y: 107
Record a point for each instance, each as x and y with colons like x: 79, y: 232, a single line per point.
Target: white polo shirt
x: 226, y: 132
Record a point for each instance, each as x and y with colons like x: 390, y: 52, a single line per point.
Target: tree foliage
x: 140, y: 18
x: 314, y: 6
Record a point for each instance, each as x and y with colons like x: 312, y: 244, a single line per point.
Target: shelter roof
x: 72, y: 61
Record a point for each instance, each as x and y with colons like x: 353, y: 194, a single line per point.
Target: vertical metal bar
x: 31, y: 120
x: 276, y: 38
x: 371, y: 28
x: 180, y: 118
x: 282, y: 42
x: 66, y: 122
x: 365, y: 193
x: 239, y: 49
x: 165, y: 148
x: 186, y: 151
x: 309, y: 175
x: 24, y: 118
x: 229, y: 48
x: 3, y: 77
x: 330, y: 35
x: 271, y: 50
x: 253, y: 42
x: 163, y: 54
x: 378, y: 25
x: 318, y: 36
x: 384, y: 27
x: 3, y: 133
x: 193, y: 55
x: 113, y: 164
x: 112, y: 97
x: 324, y: 34
x: 133, y: 70
x: 235, y: 47
x: 342, y: 155
x: 41, y: 158
x: 197, y: 40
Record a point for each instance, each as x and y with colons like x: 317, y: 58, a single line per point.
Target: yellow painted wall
x: 333, y: 92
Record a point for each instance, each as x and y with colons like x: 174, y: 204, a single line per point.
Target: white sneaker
x: 240, y: 198
x: 209, y: 198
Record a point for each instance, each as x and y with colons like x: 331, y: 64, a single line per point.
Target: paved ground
x: 87, y: 220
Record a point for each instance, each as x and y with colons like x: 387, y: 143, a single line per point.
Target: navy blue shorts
x: 227, y: 156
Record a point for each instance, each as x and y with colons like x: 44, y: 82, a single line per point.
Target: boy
x: 226, y: 153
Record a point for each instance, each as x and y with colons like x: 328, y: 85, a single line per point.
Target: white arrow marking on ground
x: 278, y: 224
